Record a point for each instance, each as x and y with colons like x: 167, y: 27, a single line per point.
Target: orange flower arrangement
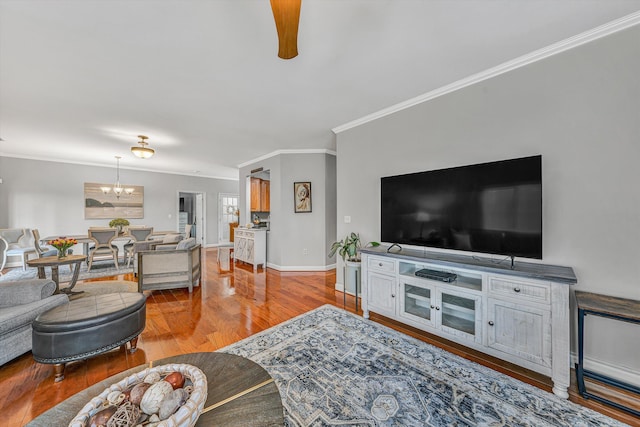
x: 62, y: 244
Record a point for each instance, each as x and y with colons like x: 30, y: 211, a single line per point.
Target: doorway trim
x: 200, y: 217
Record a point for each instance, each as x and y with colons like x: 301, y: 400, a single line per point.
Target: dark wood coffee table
x: 240, y: 393
x: 54, y: 262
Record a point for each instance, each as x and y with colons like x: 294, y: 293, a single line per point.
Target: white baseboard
x: 299, y: 267
x: 622, y: 374
x: 217, y: 245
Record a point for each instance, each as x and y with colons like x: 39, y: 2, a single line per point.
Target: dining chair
x: 15, y: 243
x: 43, y: 251
x: 102, y: 237
x: 136, y: 234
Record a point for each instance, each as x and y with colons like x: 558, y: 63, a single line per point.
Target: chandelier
x: 117, y: 188
x: 141, y: 150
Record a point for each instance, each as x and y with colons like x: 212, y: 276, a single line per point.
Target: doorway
x: 227, y: 214
x: 192, y: 210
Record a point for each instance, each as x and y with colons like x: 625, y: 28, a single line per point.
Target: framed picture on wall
x: 100, y: 202
x: 302, y: 197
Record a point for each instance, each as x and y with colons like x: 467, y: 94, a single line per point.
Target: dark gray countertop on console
x: 553, y: 273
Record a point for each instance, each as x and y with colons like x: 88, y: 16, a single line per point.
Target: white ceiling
x: 79, y: 79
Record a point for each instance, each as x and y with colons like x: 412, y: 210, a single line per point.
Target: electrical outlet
x: 305, y: 251
x: 347, y: 219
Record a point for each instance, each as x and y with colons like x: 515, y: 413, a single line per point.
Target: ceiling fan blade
x: 287, y: 16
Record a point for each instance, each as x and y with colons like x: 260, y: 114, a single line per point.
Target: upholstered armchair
x: 169, y: 268
x: 21, y: 302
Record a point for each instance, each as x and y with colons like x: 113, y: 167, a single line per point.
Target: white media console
x: 518, y: 314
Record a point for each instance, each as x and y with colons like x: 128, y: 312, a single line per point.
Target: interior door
x: 228, y: 208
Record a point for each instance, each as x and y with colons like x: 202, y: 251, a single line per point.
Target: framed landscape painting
x: 302, y: 196
x: 99, y: 204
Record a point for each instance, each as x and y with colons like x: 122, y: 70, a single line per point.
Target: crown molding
x: 535, y: 56
x: 101, y: 165
x: 293, y: 151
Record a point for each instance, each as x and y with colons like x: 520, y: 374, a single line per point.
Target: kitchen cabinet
x: 260, y: 195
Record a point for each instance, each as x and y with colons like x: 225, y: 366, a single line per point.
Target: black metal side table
x: 626, y: 310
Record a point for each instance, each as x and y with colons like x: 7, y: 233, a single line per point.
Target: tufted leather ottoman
x: 86, y: 327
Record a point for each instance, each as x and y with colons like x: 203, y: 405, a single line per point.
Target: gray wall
x: 580, y: 110
x: 49, y: 196
x: 292, y: 234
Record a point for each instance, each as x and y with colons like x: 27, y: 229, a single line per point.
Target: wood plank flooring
x: 232, y: 303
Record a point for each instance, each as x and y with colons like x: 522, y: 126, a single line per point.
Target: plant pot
x: 352, y: 277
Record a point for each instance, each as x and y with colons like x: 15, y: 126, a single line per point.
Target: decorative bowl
x: 185, y: 416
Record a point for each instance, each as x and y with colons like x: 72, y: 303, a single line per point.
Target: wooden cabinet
x: 232, y: 229
x: 520, y: 315
x: 250, y: 246
x: 255, y: 194
x: 382, y: 295
x: 265, y: 195
x: 521, y: 330
x: 260, y: 195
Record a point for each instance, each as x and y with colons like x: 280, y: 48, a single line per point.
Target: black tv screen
x: 493, y: 208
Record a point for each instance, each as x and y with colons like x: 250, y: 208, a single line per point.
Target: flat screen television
x: 493, y: 208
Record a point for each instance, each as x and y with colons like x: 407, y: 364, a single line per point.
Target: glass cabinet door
x: 418, y: 302
x: 460, y: 314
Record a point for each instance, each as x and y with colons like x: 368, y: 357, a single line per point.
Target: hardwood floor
x: 229, y: 305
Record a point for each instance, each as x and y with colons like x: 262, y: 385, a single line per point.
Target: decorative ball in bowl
x: 171, y: 395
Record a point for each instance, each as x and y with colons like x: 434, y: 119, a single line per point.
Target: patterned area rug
x: 334, y: 368
x: 99, y: 269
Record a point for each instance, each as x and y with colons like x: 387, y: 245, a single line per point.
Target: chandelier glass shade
x: 141, y: 150
x: 117, y: 188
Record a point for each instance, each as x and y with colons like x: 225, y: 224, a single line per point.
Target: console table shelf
x: 518, y: 314
x: 622, y: 309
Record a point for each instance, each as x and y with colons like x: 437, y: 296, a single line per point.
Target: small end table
x: 623, y: 309
x: 54, y: 262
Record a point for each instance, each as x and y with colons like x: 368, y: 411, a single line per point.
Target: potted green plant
x: 119, y: 223
x: 348, y: 247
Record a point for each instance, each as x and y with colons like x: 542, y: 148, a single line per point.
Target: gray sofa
x: 21, y: 302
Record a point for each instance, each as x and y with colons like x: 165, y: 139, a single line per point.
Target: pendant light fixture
x: 287, y: 16
x: 118, y: 189
x: 141, y: 150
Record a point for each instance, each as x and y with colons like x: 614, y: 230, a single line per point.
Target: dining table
x: 122, y: 239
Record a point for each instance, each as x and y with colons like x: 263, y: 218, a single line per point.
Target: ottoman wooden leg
x: 58, y: 369
x: 134, y: 343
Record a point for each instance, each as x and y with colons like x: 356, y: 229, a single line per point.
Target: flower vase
x: 62, y: 253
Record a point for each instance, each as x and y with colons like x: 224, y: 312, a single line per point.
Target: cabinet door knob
x: 490, y: 322
x: 379, y: 264
x: 516, y: 289
x: 393, y: 295
x: 433, y: 306
x: 437, y: 308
